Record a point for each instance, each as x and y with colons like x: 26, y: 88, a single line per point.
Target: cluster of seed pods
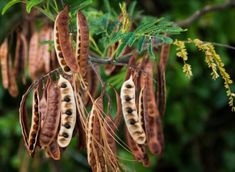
x: 59, y: 108
x: 53, y: 117
x: 145, y: 122
x: 30, y: 52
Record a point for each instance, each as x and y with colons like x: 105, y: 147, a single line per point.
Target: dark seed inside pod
x: 60, y: 55
x: 66, y: 125
x: 66, y: 69
x: 127, y: 98
x: 68, y: 112
x: 129, y: 110
x: 63, y: 85
x: 65, y: 135
x: 132, y: 121
x: 128, y: 86
x: 67, y: 99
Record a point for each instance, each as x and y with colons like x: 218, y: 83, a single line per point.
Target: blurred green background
x: 198, y: 125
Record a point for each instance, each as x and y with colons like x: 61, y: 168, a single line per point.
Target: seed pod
x: 4, y: 63
x: 152, y: 117
x: 161, y: 89
x: 35, y: 123
x: 68, y: 112
x: 62, y: 39
x: 129, y: 111
x: 36, y: 66
x: 53, y: 150
x: 13, y: 88
x: 44, y: 53
x: 138, y: 151
x: 52, y: 119
x: 82, y: 43
x: 94, y: 152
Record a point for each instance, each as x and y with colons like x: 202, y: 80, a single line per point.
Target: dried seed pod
x: 68, y: 112
x: 62, y: 39
x: 53, y: 150
x: 94, y: 152
x: 161, y: 89
x: 129, y: 111
x: 82, y: 43
x: 152, y: 117
x: 36, y: 66
x: 35, y: 123
x: 50, y: 125
x: 4, y: 63
x: 138, y: 151
x: 13, y: 88
x: 44, y: 54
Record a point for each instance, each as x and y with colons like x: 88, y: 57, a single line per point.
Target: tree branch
x: 207, y: 9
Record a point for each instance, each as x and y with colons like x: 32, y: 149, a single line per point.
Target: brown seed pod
x: 94, y: 141
x: 36, y: 66
x: 129, y: 111
x: 35, y: 123
x: 138, y: 151
x: 154, y: 128
x: 44, y: 53
x: 24, y: 118
x: 68, y: 112
x: 62, y: 38
x: 13, y: 88
x: 50, y: 125
x: 20, y: 55
x: 161, y: 89
x: 82, y: 43
x: 4, y: 63
x: 53, y: 150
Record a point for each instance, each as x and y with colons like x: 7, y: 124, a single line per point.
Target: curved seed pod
x: 4, y: 63
x: 129, y: 111
x: 51, y: 122
x: 94, y: 152
x: 63, y: 39
x: 24, y: 118
x: 35, y: 124
x: 82, y: 43
x: 138, y: 151
x: 68, y: 112
x: 53, y: 150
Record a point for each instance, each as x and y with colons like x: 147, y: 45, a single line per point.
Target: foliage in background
x: 198, y: 123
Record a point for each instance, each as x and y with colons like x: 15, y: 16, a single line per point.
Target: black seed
x: 67, y: 99
x: 66, y: 125
x: 65, y: 135
x: 132, y: 121
x: 127, y: 98
x: 68, y: 112
x: 128, y: 86
x: 60, y: 55
x: 66, y: 69
x: 129, y: 110
x: 63, y: 85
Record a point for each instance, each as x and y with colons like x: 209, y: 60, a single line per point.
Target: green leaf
x: 125, y: 41
x: 9, y: 5
x: 31, y: 4
x: 131, y: 9
x: 78, y: 5
x: 118, y: 36
x: 164, y: 39
x: 140, y: 43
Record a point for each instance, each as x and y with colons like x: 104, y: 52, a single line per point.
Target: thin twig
x: 207, y: 9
